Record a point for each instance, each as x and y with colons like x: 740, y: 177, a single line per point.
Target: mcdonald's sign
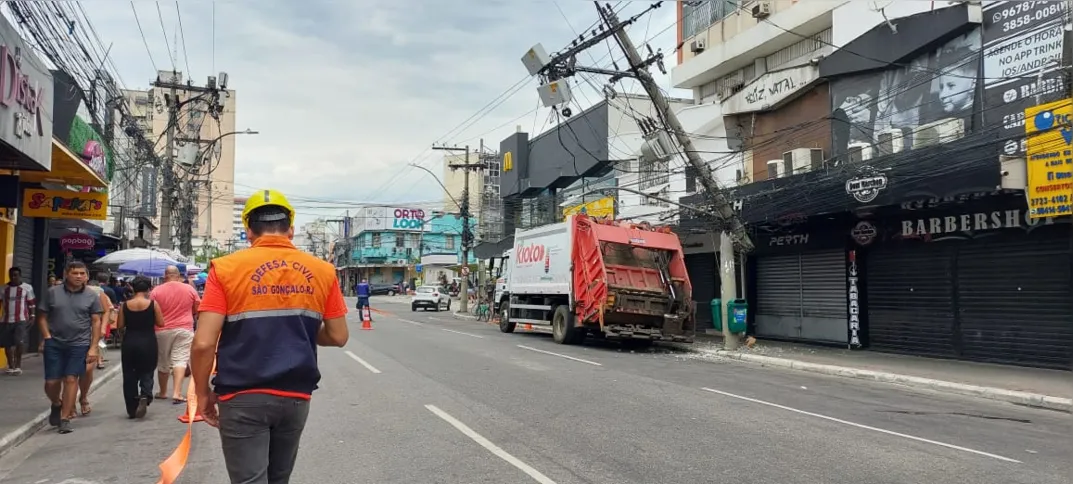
x: 508, y: 161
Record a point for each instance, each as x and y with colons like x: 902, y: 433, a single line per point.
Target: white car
x: 430, y: 297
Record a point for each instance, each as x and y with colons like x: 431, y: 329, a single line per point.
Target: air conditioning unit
x: 890, y: 141
x: 698, y: 45
x: 762, y: 10
x: 802, y: 160
x: 859, y: 152
x: 941, y: 131
x: 774, y: 169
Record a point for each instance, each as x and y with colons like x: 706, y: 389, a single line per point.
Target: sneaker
x: 16, y: 371
x: 9, y: 371
x: 143, y: 405
x: 65, y: 427
x: 54, y: 416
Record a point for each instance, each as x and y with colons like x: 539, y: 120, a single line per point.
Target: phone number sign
x: 1049, y: 159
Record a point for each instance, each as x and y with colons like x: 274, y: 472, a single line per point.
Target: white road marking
x: 493, y: 448
x: 865, y: 427
x: 363, y: 362
x: 560, y: 355
x: 415, y: 323
x: 437, y: 319
x: 460, y: 332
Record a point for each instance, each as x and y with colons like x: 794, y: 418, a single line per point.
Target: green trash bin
x: 737, y: 315
x: 717, y: 314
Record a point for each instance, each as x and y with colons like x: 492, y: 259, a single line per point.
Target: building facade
x: 238, y: 229
x: 215, y: 189
x: 883, y: 179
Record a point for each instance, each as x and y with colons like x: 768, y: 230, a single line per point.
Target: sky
x: 346, y: 94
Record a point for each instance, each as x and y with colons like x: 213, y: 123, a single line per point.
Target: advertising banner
x: 604, y: 207
x: 1049, y: 158
x: 39, y: 203
x: 1024, y: 45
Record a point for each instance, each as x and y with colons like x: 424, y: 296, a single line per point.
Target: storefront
x: 973, y: 279
x: 799, y: 280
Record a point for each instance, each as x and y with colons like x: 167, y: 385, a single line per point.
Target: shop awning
x: 67, y: 169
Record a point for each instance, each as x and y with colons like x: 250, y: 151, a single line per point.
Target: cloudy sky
x: 346, y: 94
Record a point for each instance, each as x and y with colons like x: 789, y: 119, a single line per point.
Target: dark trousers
x: 137, y: 383
x: 260, y: 435
x: 363, y: 302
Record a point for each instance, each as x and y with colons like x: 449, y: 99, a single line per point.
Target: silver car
x: 430, y: 297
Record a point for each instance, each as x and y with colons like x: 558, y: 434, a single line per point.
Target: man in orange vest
x: 265, y: 311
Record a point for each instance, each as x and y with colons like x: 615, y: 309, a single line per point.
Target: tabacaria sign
x: 854, y: 297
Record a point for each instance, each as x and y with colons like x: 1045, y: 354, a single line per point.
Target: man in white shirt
x: 17, y: 303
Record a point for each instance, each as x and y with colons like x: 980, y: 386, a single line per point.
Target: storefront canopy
x: 67, y: 169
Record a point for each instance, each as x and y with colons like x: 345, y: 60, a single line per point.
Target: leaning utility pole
x: 467, y: 234
x: 562, y: 65
x: 168, y: 195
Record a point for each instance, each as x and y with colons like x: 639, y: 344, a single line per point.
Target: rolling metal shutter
x: 702, y: 270
x: 23, y: 255
x: 910, y: 299
x: 802, y: 296
x: 1014, y: 304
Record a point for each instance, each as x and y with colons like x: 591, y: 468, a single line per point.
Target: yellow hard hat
x: 265, y: 198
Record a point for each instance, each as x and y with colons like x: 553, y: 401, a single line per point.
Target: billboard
x: 380, y: 219
x: 1049, y: 158
x: 604, y: 207
x: 40, y: 203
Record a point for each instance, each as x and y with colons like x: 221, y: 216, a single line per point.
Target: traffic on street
x: 430, y: 397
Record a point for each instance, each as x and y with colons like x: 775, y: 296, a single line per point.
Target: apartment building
x: 197, y: 135
x: 871, y: 179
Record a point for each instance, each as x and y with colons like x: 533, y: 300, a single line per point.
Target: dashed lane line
x: 364, y: 363
x: 560, y: 355
x: 493, y: 448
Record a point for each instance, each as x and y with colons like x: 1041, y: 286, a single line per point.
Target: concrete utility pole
x: 467, y: 234
x: 168, y: 194
x: 564, y: 65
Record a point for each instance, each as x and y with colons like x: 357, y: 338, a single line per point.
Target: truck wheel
x: 562, y: 327
x: 505, y: 326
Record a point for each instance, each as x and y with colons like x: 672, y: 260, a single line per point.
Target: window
x: 654, y: 172
x: 699, y: 15
x: 449, y: 242
x: 376, y: 240
x: 400, y: 241
x: 415, y: 240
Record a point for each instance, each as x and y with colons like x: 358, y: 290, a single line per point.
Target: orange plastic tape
x: 176, y: 462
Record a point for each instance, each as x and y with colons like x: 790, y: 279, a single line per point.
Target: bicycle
x: 484, y: 311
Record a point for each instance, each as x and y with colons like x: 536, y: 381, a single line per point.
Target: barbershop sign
x: 965, y: 225
x: 25, y: 99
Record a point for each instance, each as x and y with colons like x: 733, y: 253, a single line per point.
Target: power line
x: 182, y: 34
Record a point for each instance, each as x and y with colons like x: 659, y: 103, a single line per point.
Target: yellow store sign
x: 1049, y: 159
x: 604, y: 207
x: 40, y: 203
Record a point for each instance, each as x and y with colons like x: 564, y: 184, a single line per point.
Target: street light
x: 186, y: 244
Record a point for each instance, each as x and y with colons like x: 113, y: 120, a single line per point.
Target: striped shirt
x: 17, y: 303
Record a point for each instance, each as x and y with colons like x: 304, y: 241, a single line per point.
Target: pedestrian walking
x: 265, y: 311
x: 85, y: 381
x: 139, y: 317
x: 16, y: 307
x: 69, y: 318
x: 363, y: 291
x: 178, y: 302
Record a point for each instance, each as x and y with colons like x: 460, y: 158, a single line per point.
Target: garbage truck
x: 594, y: 277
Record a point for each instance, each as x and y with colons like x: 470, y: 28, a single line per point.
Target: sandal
x: 178, y: 401
x: 86, y: 408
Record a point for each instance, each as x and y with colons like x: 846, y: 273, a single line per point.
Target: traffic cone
x: 366, y: 319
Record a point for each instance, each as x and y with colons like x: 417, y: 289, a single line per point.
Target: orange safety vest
x: 275, y: 297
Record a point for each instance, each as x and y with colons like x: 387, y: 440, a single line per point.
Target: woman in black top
x: 140, y: 316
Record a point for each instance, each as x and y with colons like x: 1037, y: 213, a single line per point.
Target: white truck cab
x: 501, y: 294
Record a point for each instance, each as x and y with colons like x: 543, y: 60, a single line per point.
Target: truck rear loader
x: 592, y: 277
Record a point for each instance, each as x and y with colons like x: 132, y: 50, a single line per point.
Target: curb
x: 19, y: 435
x: 468, y: 317
x: 1000, y: 394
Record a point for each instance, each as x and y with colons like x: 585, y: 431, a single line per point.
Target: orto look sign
x: 408, y: 219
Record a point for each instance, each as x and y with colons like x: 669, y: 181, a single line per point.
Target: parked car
x: 430, y: 297
x: 383, y: 289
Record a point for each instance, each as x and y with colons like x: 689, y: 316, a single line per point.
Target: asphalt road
x: 426, y: 398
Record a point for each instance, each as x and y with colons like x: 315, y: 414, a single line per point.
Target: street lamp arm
x: 434, y: 177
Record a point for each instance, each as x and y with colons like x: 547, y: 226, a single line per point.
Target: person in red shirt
x: 17, y: 303
x: 264, y: 312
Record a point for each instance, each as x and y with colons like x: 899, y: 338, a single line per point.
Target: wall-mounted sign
x: 77, y: 242
x: 508, y: 161
x: 970, y: 223
x: 854, y: 298
x: 771, y: 89
x: 864, y: 232
x: 408, y: 219
x: 1049, y: 159
x: 785, y: 240
x: 25, y: 99
x: 39, y: 203
x: 865, y: 187
x: 604, y: 207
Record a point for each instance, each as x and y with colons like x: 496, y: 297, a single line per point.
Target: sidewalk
x: 23, y: 406
x: 1035, y: 387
